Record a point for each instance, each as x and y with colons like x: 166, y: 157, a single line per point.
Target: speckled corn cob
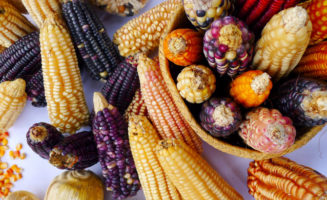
x: 121, y: 7
x: 136, y: 107
x: 161, y: 107
x: 64, y: 93
x: 191, y: 174
x: 281, y: 178
x: 42, y: 137
x: 317, y: 11
x: 111, y: 135
x: 142, y: 34
x: 35, y: 89
x: 13, y: 24
x: 283, y: 42
x: 304, y: 100
x: 143, y: 140
x: 90, y: 39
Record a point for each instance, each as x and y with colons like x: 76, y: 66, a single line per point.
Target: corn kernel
x: 22, y: 156
x: 3, y: 165
x: 4, y: 142
x: 19, y: 146
x: 11, y: 154
x: 17, y: 154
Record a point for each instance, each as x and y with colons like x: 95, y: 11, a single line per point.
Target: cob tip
x: 177, y: 45
x: 295, y: 18
x: 314, y: 104
x: 260, y: 83
x: 52, y: 19
x: 223, y: 115
x: 38, y: 133
x: 16, y: 88
x: 99, y: 102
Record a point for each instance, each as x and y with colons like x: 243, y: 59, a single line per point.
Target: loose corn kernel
x: 3, y: 165
x: 4, y: 142
x: 11, y: 154
x: 22, y: 156
x: 19, y: 146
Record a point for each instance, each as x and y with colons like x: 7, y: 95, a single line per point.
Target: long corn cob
x: 35, y: 89
x: 317, y: 11
x: 142, y: 34
x: 162, y: 110
x: 136, y: 107
x: 64, y: 93
x: 13, y: 24
x: 191, y: 174
x: 143, y: 139
x: 90, y: 38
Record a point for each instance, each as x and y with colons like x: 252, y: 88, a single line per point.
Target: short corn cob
x: 161, y: 107
x: 90, y: 39
x: 136, y: 107
x: 143, y: 139
x: 35, y: 89
x: 13, y: 24
x: 191, y: 174
x: 283, y: 42
x: 42, y: 137
x: 281, y: 178
x: 317, y: 11
x: 64, y: 93
x: 142, y: 34
x: 121, y: 7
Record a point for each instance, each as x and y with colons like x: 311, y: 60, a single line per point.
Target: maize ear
x: 136, y: 107
x: 121, y: 7
x: 317, y: 11
x: 2, y: 48
x: 35, y: 89
x: 64, y: 93
x: 19, y: 5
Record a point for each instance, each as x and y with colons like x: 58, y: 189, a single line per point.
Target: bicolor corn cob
x: 35, y: 89
x: 90, y: 39
x: 304, y: 100
x: 64, y: 93
x: 42, y: 137
x: 121, y: 7
x: 111, y: 135
x: 317, y: 11
x: 143, y: 139
x: 76, y: 151
x: 163, y: 112
x: 191, y: 174
x: 281, y: 178
x: 283, y: 42
x: 13, y: 24
x: 136, y: 107
x: 12, y: 102
x: 142, y: 34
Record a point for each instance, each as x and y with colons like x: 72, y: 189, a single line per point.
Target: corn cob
x: 18, y: 4
x: 2, y: 48
x: 90, y: 39
x: 120, y: 7
x: 42, y: 137
x: 64, y: 94
x: 191, y: 174
x: 143, y: 140
x: 317, y: 11
x: 35, y: 89
x: 283, y: 42
x: 136, y: 107
x: 12, y: 102
x: 142, y: 34
x: 111, y: 135
x: 281, y: 178
x: 13, y: 24
x: 162, y: 110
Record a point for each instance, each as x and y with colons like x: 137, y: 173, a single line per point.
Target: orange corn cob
x: 136, y: 107
x: 317, y: 11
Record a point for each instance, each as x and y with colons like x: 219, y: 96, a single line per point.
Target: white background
x: 38, y: 173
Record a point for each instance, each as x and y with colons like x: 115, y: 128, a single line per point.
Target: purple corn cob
x: 42, y: 137
x: 35, y: 89
x: 303, y: 100
x: 228, y: 46
x: 111, y: 135
x: 220, y: 116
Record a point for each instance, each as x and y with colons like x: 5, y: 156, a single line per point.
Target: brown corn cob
x: 142, y: 34
x: 136, y: 107
x: 281, y: 178
x: 161, y: 107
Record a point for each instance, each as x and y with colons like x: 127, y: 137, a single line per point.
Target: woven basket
x: 179, y: 20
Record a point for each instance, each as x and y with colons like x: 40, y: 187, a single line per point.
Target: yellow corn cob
x: 281, y: 178
x: 12, y: 102
x: 161, y: 107
x: 64, y: 93
x: 13, y: 25
x: 142, y: 34
x: 193, y: 177
x: 18, y: 4
x: 143, y: 139
x: 283, y: 42
x: 136, y: 107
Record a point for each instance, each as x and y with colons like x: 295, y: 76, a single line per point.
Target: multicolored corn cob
x: 304, y: 100
x: 90, y: 39
x: 111, y: 135
x: 121, y: 7
x: 35, y: 89
x: 228, y: 46
x: 42, y: 137
x: 136, y: 107
x: 281, y: 178
x: 266, y: 130
x: 283, y: 42
x: 317, y: 11
x: 162, y: 110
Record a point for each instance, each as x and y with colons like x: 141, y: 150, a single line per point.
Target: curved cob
x: 121, y: 7
x: 136, y: 107
x: 35, y: 89
x: 64, y: 94
x: 191, y: 174
x: 317, y: 11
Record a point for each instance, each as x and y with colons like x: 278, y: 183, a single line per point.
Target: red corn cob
x: 317, y: 11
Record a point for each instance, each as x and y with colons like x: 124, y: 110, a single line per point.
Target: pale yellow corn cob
x: 64, y: 93
x: 193, y: 177
x: 283, y: 42
x: 13, y: 25
x: 143, y: 139
x: 12, y: 102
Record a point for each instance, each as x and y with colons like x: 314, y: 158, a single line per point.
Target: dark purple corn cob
x: 90, y: 39
x: 42, y: 137
x: 303, y: 100
x: 111, y: 135
x: 35, y: 89
x: 77, y: 151
x: 220, y: 116
x: 228, y: 46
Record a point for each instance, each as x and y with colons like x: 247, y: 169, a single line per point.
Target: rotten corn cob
x: 35, y: 89
x: 317, y: 11
x: 136, y: 107
x: 120, y: 7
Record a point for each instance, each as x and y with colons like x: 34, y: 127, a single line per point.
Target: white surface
x: 38, y: 173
